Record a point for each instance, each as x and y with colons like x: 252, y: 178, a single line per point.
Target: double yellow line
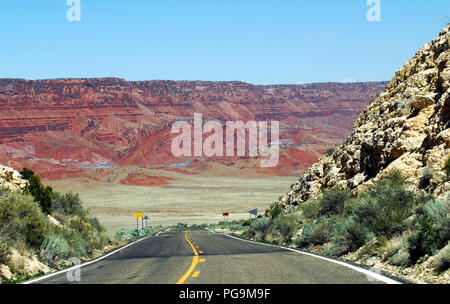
x: 193, y: 264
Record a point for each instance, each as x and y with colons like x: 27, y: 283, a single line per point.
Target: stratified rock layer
x: 99, y: 123
x: 405, y: 128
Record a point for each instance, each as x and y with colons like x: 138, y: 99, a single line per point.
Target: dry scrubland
x: 191, y: 199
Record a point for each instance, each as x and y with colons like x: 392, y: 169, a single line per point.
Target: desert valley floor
x: 180, y: 198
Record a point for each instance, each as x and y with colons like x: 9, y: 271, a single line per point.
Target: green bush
x: 238, y: 228
x: 260, y: 223
x: 425, y: 239
x: 385, y: 207
x: 322, y: 231
x: 4, y: 251
x: 401, y: 258
x: 22, y: 219
x: 275, y: 210
x: 42, y: 194
x: 54, y: 246
x: 96, y: 224
x: 285, y: 226
x: 333, y: 201
x: 67, y: 204
x: 305, y: 239
x: 310, y: 209
x: 438, y: 211
x: 258, y: 226
x: 348, y: 236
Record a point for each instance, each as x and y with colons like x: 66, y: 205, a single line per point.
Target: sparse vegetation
x: 387, y: 221
x: 4, y: 251
x: 24, y: 225
x: 42, y: 194
x: 329, y: 151
x: 333, y: 201
x: 447, y: 167
x: 442, y: 262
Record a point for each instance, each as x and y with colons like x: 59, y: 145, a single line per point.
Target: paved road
x: 199, y: 256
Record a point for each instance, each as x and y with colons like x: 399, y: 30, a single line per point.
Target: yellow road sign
x: 139, y: 215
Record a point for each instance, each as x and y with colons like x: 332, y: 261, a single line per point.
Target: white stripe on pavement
x: 376, y: 276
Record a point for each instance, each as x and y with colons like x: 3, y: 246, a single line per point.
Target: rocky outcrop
x: 405, y: 128
x: 101, y: 123
x: 11, y: 179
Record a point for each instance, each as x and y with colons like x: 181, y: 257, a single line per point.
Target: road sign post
x: 225, y: 216
x: 138, y: 216
x: 146, y: 221
x: 254, y: 212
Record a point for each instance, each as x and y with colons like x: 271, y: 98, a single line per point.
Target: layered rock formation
x: 101, y: 123
x: 405, y: 128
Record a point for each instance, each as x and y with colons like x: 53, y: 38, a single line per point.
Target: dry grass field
x: 199, y: 198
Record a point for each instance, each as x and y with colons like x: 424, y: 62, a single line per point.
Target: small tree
x: 42, y: 194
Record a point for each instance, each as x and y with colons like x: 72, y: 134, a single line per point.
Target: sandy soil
x: 185, y: 198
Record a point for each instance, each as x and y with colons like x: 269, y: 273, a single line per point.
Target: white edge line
x: 372, y: 274
x: 84, y: 264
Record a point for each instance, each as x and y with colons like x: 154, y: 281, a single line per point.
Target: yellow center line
x: 193, y: 265
x: 196, y: 274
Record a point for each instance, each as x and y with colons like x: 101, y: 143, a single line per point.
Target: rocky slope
x: 405, y: 128
x: 11, y: 179
x: 101, y: 123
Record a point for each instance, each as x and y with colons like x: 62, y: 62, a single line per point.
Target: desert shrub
x: 42, y: 194
x: 348, y: 235
x: 322, y: 231
x: 275, y: 210
x: 3, y: 192
x: 424, y: 240
x: 285, y: 226
x: 246, y: 223
x: 133, y: 234
x: 67, y: 204
x: 385, y: 206
x: 258, y: 227
x: 4, y: 251
x: 442, y: 261
x: 54, y: 246
x: 329, y: 151
x: 305, y: 240
x: 238, y: 228
x: 83, y: 227
x: 35, y: 228
x: 438, y: 211
x: 310, y: 209
x: 374, y: 248
x: 447, y: 166
x: 260, y: 223
x: 396, y: 244
x: 400, y: 258
x: 333, y: 201
x: 22, y: 219
x: 96, y: 224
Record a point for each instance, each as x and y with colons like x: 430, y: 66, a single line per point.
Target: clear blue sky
x: 256, y: 41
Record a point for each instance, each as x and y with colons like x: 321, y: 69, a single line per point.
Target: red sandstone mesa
x: 101, y: 123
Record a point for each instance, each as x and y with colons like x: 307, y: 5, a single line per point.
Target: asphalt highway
x: 196, y: 256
